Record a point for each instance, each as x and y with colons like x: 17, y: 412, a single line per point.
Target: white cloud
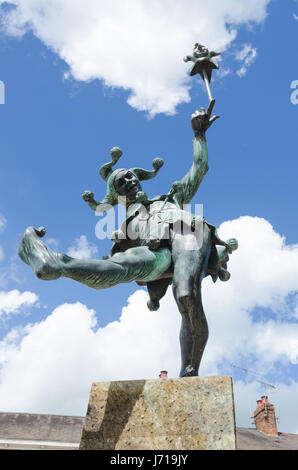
x: 295, y: 17
x: 137, y: 46
x: 3, y: 222
x: 14, y: 300
x: 248, y: 55
x: 55, y: 361
x: 82, y: 249
x: 264, y: 273
x: 58, y: 379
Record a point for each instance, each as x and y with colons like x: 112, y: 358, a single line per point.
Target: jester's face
x: 127, y: 184
x: 200, y: 49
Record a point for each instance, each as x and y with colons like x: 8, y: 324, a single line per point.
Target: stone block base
x: 192, y: 413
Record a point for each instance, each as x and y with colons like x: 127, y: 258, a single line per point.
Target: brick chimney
x: 264, y: 416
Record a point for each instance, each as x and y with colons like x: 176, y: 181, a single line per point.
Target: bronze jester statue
x: 158, y: 244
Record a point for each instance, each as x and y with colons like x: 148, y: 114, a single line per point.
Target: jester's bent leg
x: 135, y: 264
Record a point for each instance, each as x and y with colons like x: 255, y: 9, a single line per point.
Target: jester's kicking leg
x: 135, y: 264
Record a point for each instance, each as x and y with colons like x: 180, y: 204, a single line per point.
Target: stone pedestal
x: 193, y: 413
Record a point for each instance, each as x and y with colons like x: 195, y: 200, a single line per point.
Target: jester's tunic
x: 156, y: 225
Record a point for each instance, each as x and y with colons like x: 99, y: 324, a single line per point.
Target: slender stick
x: 207, y: 85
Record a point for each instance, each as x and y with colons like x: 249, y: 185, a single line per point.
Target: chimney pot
x: 163, y: 374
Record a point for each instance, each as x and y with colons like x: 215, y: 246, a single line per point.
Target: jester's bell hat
x: 108, y: 174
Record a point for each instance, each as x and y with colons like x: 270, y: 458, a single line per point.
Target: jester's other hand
x: 88, y: 196
x: 201, y: 120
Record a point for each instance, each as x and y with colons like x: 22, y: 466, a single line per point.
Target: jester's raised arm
x: 200, y: 122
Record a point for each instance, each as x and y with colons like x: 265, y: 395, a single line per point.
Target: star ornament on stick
x: 204, y: 64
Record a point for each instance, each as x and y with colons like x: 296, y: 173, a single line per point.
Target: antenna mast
x: 252, y: 372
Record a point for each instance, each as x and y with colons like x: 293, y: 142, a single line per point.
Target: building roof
x: 42, y: 428
x: 53, y: 431
x: 252, y: 439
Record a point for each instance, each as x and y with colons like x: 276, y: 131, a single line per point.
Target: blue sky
x: 62, y: 115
